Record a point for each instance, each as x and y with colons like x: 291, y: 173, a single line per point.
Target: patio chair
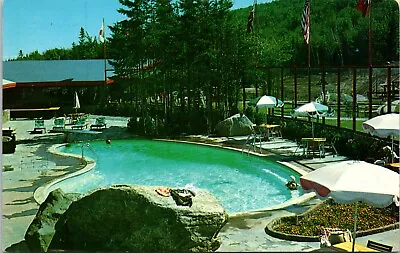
x: 254, y: 138
x: 330, y: 147
x: 379, y: 246
x: 99, y: 124
x: 59, y: 123
x: 300, y: 146
x: 80, y: 123
x: 39, y: 125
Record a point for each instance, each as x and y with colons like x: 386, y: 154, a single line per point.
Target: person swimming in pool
x: 108, y: 141
x: 291, y: 184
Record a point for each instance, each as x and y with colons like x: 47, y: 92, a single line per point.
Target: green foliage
x: 185, y: 63
x: 87, y: 48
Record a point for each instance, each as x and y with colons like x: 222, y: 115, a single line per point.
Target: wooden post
x: 282, y: 93
x: 295, y: 88
x: 370, y: 92
x: 354, y: 98
x: 338, y: 98
x: 323, y: 91
x: 389, y: 90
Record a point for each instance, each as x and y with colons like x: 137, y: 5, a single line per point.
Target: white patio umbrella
x: 266, y: 101
x: 77, y: 104
x: 311, y: 109
x: 352, y: 181
x: 384, y: 126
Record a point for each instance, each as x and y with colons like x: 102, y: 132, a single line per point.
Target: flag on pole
x: 251, y: 18
x: 305, y: 22
x: 362, y: 6
x: 101, y: 32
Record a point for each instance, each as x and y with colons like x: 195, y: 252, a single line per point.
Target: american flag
x: 101, y: 32
x: 305, y: 22
x: 362, y: 6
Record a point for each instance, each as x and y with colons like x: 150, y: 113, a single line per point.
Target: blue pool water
x: 239, y: 181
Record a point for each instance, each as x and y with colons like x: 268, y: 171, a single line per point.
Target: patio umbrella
x: 266, y: 101
x: 310, y: 109
x: 352, y: 181
x: 77, y: 104
x: 384, y: 126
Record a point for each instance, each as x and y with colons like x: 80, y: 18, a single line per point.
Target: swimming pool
x: 240, y: 182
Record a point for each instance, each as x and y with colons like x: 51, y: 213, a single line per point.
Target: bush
x: 355, y: 145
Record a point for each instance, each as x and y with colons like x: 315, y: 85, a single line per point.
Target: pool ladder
x: 87, y: 145
x: 251, y: 142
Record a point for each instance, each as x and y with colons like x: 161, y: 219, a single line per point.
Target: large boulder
x: 235, y: 125
x: 136, y: 219
x: 41, y: 231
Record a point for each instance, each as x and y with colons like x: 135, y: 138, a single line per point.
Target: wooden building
x: 45, y: 84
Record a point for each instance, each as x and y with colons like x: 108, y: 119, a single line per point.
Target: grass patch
x: 346, y: 123
x: 334, y: 215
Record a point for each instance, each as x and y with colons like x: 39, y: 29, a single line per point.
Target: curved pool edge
x: 259, y: 212
x: 41, y: 193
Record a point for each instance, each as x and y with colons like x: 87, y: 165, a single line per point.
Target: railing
x: 295, y: 85
x: 88, y: 146
x: 251, y: 142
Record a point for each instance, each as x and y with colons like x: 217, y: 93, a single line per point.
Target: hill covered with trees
x: 181, y: 66
x: 339, y: 33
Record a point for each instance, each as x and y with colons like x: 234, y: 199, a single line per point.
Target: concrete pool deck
x: 33, y: 166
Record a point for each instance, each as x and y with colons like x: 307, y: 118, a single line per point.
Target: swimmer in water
x: 291, y: 184
x: 108, y: 141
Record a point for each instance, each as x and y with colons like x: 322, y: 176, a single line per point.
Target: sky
x: 30, y: 25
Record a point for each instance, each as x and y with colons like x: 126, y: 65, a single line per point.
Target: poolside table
x: 267, y: 130
x: 347, y: 246
x: 312, y: 145
x: 394, y: 166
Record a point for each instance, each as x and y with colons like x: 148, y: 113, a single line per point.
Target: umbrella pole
x: 312, y: 128
x: 392, y: 150
x: 355, y: 226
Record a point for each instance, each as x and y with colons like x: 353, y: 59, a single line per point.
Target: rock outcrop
x: 235, y: 125
x: 41, y: 231
x: 136, y: 219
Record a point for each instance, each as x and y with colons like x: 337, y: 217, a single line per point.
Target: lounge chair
x: 80, y: 123
x: 99, y: 124
x: 59, y: 123
x: 39, y: 125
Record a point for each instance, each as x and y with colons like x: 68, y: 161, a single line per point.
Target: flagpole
x: 309, y: 35
x: 305, y: 24
x: 309, y: 53
x: 370, y: 34
x: 105, y: 65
